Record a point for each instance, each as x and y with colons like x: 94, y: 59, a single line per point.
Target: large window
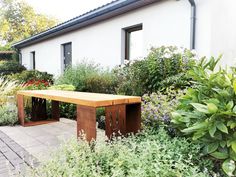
x: 32, y: 60
x: 134, y: 42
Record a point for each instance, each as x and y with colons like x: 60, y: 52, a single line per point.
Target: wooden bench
x: 123, y: 113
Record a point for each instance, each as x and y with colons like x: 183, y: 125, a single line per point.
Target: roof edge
x: 107, y: 11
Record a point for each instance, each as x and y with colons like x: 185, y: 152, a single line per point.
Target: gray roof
x: 104, y: 12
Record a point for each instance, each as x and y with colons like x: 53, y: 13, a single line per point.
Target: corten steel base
x: 86, y: 122
x: 39, y: 112
x: 119, y: 118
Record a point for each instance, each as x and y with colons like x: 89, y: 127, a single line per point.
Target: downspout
x: 193, y: 24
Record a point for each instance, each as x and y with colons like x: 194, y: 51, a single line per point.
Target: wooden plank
x: 86, y: 122
x: 82, y: 98
x: 21, y: 111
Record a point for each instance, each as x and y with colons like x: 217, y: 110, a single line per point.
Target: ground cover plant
x: 208, y: 110
x: 151, y: 153
x: 8, y: 115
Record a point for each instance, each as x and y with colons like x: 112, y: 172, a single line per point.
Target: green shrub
x: 149, y: 154
x: 157, y: 108
x: 207, y: 112
x: 10, y: 67
x: 162, y: 68
x: 32, y: 75
x: 8, y: 115
x: 88, y: 77
x: 62, y: 87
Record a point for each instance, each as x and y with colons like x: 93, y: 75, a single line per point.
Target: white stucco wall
x: 164, y: 23
x: 223, y: 32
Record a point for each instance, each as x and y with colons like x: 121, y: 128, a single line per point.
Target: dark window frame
x: 128, y: 32
x: 33, y: 60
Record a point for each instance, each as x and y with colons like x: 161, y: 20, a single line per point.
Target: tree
x: 18, y: 20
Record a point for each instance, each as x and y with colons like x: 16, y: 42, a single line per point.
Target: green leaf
x: 233, y: 145
x: 230, y: 105
x: 195, y: 127
x: 212, y: 147
x: 234, y: 86
x: 219, y: 155
x: 212, y: 130
x: 212, y: 108
x: 221, y: 126
x: 200, y: 107
x: 234, y: 109
x: 232, y: 154
x: 228, y: 166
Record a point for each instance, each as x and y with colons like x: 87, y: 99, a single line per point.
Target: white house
x: 127, y: 29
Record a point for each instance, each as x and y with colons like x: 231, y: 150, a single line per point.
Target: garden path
x: 37, y: 141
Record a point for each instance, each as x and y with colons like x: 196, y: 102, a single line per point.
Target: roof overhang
x: 105, y: 12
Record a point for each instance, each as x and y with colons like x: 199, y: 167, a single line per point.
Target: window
x: 67, y: 55
x: 32, y: 60
x: 134, y: 42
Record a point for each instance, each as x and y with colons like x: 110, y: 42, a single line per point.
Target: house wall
x: 223, y: 31
x: 164, y: 23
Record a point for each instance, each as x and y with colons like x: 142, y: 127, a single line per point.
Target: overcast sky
x: 65, y: 9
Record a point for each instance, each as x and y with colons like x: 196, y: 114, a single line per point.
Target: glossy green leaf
x: 234, y: 109
x: 221, y: 126
x: 200, y: 107
x: 212, y: 147
x: 230, y: 105
x: 195, y: 127
x: 234, y: 86
x: 233, y: 145
x: 228, y: 166
x: 212, y: 130
x: 220, y: 155
x: 232, y: 154
x: 212, y: 108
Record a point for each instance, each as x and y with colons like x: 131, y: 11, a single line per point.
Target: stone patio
x: 38, y: 141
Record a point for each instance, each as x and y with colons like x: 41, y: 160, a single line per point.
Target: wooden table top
x: 81, y: 98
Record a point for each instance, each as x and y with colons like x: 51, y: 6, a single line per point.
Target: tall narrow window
x: 134, y: 42
x: 67, y: 54
x: 32, y: 58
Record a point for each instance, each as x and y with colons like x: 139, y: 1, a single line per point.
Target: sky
x: 65, y: 9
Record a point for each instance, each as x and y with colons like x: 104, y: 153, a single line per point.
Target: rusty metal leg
x: 86, y: 122
x: 21, y: 111
x: 133, y: 118
x: 39, y: 111
x: 115, y: 120
x: 55, y: 110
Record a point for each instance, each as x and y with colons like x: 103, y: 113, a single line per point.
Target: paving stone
x: 13, y: 158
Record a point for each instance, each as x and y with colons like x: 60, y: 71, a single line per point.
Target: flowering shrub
x: 36, y: 85
x: 162, y: 68
x: 157, y: 108
x: 30, y: 75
